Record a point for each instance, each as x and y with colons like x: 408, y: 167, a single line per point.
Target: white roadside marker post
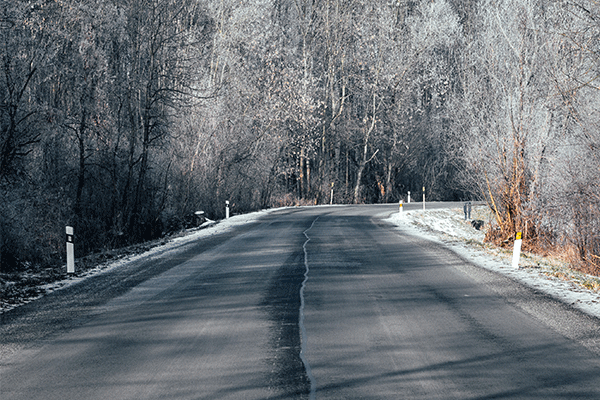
x: 199, y: 217
x: 408, y: 200
x: 70, y: 251
x: 226, y: 209
x: 517, y: 251
x: 331, y: 199
x: 401, y: 208
x: 423, y: 198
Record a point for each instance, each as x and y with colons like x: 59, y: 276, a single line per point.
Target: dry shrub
x: 585, y: 235
x: 289, y: 200
x: 495, y: 236
x: 535, y: 239
x: 580, y: 247
x: 584, y: 261
x: 570, y: 255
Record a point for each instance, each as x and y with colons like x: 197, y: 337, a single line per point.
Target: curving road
x: 323, y: 303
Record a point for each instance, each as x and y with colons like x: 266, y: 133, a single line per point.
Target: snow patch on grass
x: 445, y: 226
x: 547, y: 275
x: 33, y: 286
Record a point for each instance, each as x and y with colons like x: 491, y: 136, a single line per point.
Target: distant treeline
x: 123, y: 118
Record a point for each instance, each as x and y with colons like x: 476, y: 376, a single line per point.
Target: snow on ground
x: 446, y: 226
x: 207, y: 229
x: 550, y: 276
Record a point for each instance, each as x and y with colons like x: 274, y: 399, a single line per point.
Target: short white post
x: 70, y: 251
x: 226, y: 209
x: 331, y: 199
x: 401, y: 207
x: 423, y: 198
x: 408, y: 200
x: 517, y: 251
x: 200, y: 217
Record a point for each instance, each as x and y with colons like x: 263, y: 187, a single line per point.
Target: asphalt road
x: 323, y: 303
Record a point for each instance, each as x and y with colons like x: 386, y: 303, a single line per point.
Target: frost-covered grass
x: 25, y: 286
x: 549, y: 275
x: 446, y: 226
x: 449, y: 222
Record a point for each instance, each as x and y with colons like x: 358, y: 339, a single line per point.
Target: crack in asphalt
x: 304, y: 336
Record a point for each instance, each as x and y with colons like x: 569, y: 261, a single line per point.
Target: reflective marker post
x: 517, y: 251
x: 227, y: 209
x: 423, y: 198
x: 70, y: 251
x: 400, y: 206
x: 331, y: 199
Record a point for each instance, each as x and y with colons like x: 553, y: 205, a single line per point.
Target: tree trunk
x: 307, y: 177
x: 301, y: 173
x: 81, y: 172
x: 388, y: 182
x: 363, y: 162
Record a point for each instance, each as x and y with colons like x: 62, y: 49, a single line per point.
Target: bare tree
x: 28, y: 46
x: 510, y: 110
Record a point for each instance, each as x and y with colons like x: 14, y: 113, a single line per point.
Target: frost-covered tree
x: 509, y: 114
x: 437, y: 39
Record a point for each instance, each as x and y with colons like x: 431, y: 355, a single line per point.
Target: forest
x: 122, y: 118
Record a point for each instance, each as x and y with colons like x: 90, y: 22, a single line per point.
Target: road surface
x: 305, y: 303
